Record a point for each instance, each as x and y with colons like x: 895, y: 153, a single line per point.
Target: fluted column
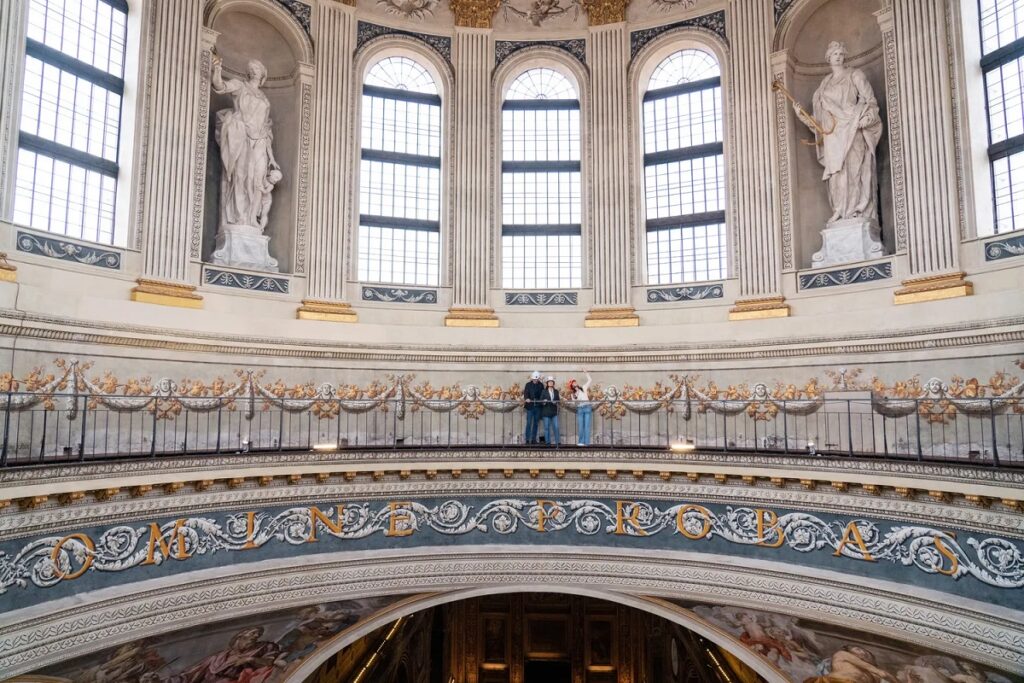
x: 755, y: 215
x: 609, y: 210
x: 172, y: 82
x: 473, y: 58
x: 929, y: 202
x: 334, y: 34
x: 12, y: 17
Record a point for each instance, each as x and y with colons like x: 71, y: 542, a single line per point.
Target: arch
x: 371, y: 52
x: 277, y: 16
x: 641, y: 68
x: 541, y: 56
x: 655, y: 606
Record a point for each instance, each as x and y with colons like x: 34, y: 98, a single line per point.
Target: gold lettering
x: 944, y: 550
x: 156, y: 538
x: 89, y: 546
x: 705, y: 530
x: 852, y: 535
x: 250, y: 531
x: 768, y: 521
x: 621, y: 519
x: 543, y: 514
x: 395, y: 517
x: 318, y: 517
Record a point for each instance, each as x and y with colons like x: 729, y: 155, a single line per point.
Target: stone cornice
x: 71, y: 630
x: 57, y: 328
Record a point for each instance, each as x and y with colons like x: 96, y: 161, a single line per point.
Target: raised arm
x: 220, y: 86
x: 586, y: 387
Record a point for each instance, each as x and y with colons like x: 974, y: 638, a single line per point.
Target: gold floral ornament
x: 474, y: 13
x: 601, y: 12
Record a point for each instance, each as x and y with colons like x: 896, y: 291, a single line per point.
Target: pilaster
x: 330, y: 194
x: 928, y: 166
x: 166, y: 195
x: 756, y: 203
x: 12, y: 38
x: 610, y: 213
x: 208, y: 39
x: 472, y: 225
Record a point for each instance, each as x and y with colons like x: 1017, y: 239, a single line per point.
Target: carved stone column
x: 928, y: 167
x: 471, y: 229
x: 755, y: 213
x: 610, y: 214
x: 12, y: 40
x: 334, y: 34
x: 172, y: 85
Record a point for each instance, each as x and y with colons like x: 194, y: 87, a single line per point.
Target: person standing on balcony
x: 533, y: 393
x: 549, y: 411
x: 584, y: 411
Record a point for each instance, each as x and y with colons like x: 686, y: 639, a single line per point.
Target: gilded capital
x: 474, y: 13
x: 602, y: 12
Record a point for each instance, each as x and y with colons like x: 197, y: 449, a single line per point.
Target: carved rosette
x: 601, y: 12
x: 474, y: 13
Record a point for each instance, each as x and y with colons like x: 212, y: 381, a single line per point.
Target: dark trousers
x: 532, y: 423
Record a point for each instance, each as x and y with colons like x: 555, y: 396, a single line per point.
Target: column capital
x: 474, y: 13
x: 602, y: 12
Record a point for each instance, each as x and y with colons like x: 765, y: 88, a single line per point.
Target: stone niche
x: 801, y: 43
x: 262, y: 30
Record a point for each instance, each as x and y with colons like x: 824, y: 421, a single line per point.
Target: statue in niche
x: 249, y: 171
x: 847, y: 129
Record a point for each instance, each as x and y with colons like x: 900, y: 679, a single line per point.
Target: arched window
x: 540, y: 177
x: 1002, y: 47
x: 66, y: 179
x: 684, y: 178
x: 400, y: 175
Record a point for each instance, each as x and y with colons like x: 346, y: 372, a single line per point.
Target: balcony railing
x: 61, y: 428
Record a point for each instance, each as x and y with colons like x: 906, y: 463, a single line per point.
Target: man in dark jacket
x: 549, y: 411
x: 532, y: 395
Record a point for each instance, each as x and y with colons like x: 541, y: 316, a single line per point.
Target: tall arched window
x: 400, y: 175
x: 1002, y: 46
x: 540, y: 177
x: 684, y: 178
x: 71, y: 117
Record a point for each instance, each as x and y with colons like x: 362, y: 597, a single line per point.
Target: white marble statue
x: 249, y: 171
x: 847, y: 129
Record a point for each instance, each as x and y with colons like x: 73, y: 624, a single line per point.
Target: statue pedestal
x: 848, y: 241
x: 243, y: 246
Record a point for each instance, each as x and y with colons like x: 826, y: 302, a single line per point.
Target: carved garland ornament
x: 49, y: 561
x: 936, y: 401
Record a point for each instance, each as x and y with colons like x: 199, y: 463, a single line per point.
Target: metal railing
x: 75, y: 428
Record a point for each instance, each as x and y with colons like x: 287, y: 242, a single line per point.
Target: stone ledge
x: 933, y: 288
x: 759, y: 309
x: 624, y: 316
x: 471, y: 317
x: 166, y: 294
x: 329, y: 311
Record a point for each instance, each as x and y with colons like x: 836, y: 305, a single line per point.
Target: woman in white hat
x: 549, y: 411
x: 532, y: 395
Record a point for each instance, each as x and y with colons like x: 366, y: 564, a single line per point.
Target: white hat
x: 535, y: 375
x: 549, y: 379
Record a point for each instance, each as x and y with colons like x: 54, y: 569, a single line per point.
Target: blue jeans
x: 549, y: 424
x: 532, y: 423
x: 584, y: 416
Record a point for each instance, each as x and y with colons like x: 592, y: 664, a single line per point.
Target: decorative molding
x: 503, y: 49
x: 541, y: 298
x: 781, y: 7
x: 300, y: 10
x: 896, y: 148
x: 365, y: 32
x: 247, y: 281
x: 166, y: 294
x: 664, y: 295
x: 846, y: 276
x: 933, y: 288
x: 330, y: 311
x: 61, y: 634
x: 714, y: 22
x: 1007, y: 247
x: 601, y: 12
x: 785, y: 178
x: 63, y: 250
x: 474, y: 13
x: 400, y: 295
x: 758, y: 309
x: 305, y: 146
x: 471, y: 317
x: 200, y: 148
x: 624, y: 316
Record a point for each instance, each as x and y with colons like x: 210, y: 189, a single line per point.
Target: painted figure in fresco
x: 313, y: 626
x: 846, y: 109
x: 853, y: 664
x: 127, y: 664
x: 247, y: 659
